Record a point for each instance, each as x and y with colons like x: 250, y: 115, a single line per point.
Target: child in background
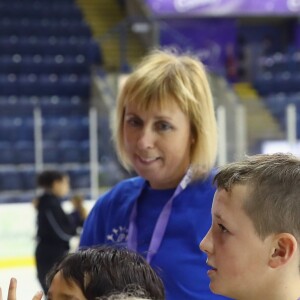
x: 252, y: 246
x: 54, y: 227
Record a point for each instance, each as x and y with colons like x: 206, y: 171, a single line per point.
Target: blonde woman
x: 164, y: 130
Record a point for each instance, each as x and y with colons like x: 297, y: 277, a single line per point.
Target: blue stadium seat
x: 10, y: 180
x: 264, y: 83
x: 14, y: 129
x: 7, y: 155
x: 282, y: 82
x: 80, y: 178
x: 8, y: 84
x: 85, y: 151
x: 69, y: 152
x: 281, y: 63
x: 62, y: 108
x: 24, y: 151
x: 29, y: 178
x: 295, y: 82
x: 50, y: 152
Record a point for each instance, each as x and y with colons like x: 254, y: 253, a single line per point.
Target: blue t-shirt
x: 179, y: 261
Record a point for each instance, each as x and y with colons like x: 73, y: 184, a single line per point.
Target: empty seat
x: 58, y: 129
x: 69, y: 152
x: 14, y: 108
x: 85, y: 151
x: 10, y: 180
x: 25, y: 152
x: 50, y: 152
x: 80, y: 178
x: 264, y: 83
x: 29, y: 179
x: 7, y: 155
x: 14, y: 129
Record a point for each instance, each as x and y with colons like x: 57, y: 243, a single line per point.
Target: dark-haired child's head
x: 55, y: 182
x: 104, y: 271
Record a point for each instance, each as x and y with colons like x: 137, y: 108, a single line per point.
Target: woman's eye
x: 164, y: 126
x: 222, y: 228
x: 134, y: 122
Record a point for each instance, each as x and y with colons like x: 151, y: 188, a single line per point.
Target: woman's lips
x: 147, y: 160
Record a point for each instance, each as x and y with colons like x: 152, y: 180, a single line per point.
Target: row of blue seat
x: 37, y: 2
x: 281, y: 62
x: 54, y: 129
x: 60, y: 109
x: 45, y: 84
x: 73, y: 39
x: 51, y: 47
x: 25, y: 21
x: 37, y: 64
x: 25, y: 179
x: 268, y: 83
x: 23, y: 152
x: 43, y: 100
x: 40, y: 28
x: 14, y: 9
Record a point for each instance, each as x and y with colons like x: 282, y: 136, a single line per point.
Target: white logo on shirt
x: 118, y: 235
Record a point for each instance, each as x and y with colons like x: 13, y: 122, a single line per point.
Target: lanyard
x: 161, y: 223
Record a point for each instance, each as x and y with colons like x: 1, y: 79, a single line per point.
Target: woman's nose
x: 146, y: 139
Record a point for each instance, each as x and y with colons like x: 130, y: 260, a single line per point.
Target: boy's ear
x: 283, y: 248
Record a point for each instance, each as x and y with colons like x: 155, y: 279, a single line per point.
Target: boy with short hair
x: 252, y: 246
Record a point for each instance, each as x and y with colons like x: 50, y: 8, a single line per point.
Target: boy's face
x: 237, y: 257
x: 60, y: 289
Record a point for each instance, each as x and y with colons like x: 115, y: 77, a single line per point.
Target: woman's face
x: 158, y: 143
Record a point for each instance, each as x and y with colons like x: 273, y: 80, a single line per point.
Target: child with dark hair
x: 54, y: 227
x: 105, y: 272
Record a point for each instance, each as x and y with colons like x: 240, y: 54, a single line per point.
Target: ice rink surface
x: 17, y: 245
x: 27, y: 282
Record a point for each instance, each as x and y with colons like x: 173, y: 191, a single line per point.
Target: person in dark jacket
x: 54, y: 227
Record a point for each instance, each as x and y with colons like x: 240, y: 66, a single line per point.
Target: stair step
x: 104, y: 16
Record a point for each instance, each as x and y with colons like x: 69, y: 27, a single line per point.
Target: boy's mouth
x: 211, y: 267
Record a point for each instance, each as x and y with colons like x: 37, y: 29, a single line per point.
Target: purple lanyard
x: 161, y: 223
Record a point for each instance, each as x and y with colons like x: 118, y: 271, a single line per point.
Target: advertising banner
x: 224, y: 7
x: 210, y: 39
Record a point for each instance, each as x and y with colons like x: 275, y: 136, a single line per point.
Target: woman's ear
x: 284, y: 246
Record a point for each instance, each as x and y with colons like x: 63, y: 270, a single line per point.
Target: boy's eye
x: 222, y: 228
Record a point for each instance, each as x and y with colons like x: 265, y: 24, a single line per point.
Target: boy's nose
x: 206, y: 244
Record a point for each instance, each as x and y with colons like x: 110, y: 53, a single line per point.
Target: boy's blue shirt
x: 179, y: 261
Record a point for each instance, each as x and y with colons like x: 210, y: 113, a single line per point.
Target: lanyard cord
x: 161, y: 223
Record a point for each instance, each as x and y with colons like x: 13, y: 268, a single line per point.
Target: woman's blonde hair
x: 164, y: 76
